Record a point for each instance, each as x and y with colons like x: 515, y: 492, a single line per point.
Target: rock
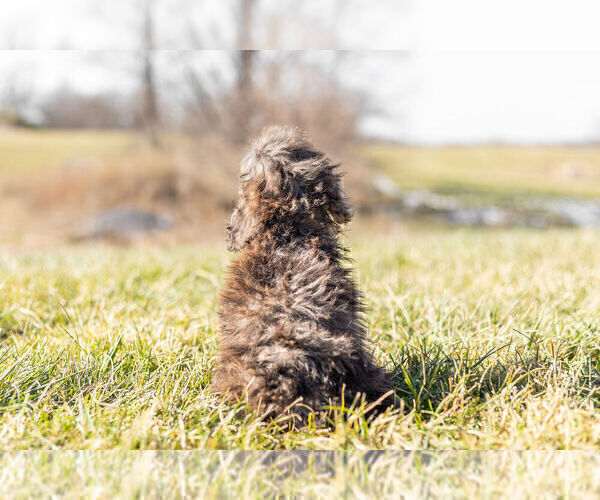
x: 384, y: 185
x: 579, y: 213
x: 536, y: 212
x: 426, y: 202
x: 479, y: 216
x: 123, y: 223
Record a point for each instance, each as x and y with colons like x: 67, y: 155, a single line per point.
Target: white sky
x: 477, y: 70
x: 512, y: 96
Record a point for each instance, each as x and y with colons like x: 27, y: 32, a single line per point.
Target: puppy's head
x: 285, y: 180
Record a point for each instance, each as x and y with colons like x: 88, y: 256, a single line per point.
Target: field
x: 492, y: 172
x: 492, y: 334
x: 29, y: 150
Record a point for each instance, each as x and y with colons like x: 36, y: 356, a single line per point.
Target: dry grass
x: 492, y: 171
x: 30, y: 150
x: 55, y: 181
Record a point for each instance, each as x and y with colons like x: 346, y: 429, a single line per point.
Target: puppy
x: 291, y: 331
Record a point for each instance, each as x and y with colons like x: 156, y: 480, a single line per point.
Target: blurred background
x: 126, y: 122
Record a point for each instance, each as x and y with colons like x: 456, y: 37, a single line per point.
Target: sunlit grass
x: 24, y: 150
x: 492, y: 171
x: 493, y: 337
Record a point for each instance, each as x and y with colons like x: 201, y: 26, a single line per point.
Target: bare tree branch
x: 150, y: 114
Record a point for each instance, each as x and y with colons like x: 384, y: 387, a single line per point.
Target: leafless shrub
x: 287, y: 90
x: 66, y: 108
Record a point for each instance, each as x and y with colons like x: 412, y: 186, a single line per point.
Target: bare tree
x: 150, y: 112
x: 203, y: 111
x: 16, y: 87
x: 322, y: 92
x: 231, y: 109
x: 282, y: 87
x: 66, y: 108
x: 140, y: 20
x: 246, y: 60
x: 16, y: 93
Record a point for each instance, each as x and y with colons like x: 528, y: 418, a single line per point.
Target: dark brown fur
x: 290, y: 313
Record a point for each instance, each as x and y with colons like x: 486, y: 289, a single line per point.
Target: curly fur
x: 290, y: 313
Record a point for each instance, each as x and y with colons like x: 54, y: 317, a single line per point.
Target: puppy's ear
x: 264, y: 172
x: 241, y: 228
x: 337, y: 204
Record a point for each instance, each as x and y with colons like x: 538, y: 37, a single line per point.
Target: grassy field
x: 27, y: 150
x: 493, y: 336
x: 492, y: 171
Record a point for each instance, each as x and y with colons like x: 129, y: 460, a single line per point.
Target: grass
x: 28, y: 150
x: 493, y: 338
x: 486, y: 170
x: 493, y: 172
x: 493, y: 335
x: 169, y: 474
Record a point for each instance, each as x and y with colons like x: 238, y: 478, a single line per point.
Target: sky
x: 444, y: 71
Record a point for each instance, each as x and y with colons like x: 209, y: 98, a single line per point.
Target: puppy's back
x: 290, y: 313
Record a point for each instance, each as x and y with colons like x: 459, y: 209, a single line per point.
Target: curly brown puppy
x: 290, y: 314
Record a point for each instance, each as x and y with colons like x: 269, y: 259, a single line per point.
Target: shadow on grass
x: 427, y: 379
